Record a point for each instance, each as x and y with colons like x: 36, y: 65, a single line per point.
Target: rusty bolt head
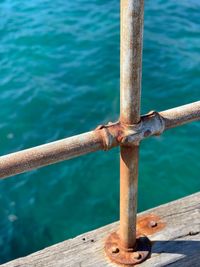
x: 153, y: 224
x: 137, y: 256
x: 115, y: 250
x: 121, y: 256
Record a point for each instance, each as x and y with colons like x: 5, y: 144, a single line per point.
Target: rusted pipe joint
x: 150, y: 124
x: 111, y: 134
x: 117, y: 133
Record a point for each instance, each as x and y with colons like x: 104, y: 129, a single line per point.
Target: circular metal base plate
x: 130, y: 257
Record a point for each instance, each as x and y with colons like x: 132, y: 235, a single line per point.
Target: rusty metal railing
x: 125, y: 246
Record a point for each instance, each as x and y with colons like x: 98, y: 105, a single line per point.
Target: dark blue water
x: 59, y: 77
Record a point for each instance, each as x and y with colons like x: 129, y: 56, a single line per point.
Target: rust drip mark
x: 149, y: 224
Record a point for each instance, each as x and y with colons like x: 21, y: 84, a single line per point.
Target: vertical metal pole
x: 132, y: 13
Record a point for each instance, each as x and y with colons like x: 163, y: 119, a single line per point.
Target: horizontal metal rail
x: 50, y: 153
x: 181, y: 115
x: 102, y: 138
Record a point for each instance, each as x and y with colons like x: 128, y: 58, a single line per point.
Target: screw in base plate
x: 127, y: 257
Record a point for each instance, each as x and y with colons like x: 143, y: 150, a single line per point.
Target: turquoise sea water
x: 59, y: 77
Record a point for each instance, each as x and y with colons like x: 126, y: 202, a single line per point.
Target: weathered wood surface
x: 178, y: 244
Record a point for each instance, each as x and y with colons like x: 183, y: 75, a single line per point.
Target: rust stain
x: 128, y: 194
x: 149, y: 224
x: 115, y: 250
x: 118, y: 254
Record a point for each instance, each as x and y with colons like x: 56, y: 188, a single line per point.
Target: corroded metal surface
x: 128, y: 246
x: 180, y: 115
x: 150, y: 124
x: 104, y: 137
x: 128, y: 194
x: 49, y: 153
x: 131, y: 22
x: 65, y: 149
x: 149, y: 224
x: 140, y: 252
x: 131, y: 42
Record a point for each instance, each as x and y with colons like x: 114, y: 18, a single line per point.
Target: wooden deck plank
x: 178, y: 244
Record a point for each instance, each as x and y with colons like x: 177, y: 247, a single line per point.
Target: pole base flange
x: 122, y: 256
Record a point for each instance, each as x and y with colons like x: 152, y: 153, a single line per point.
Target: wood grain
x: 178, y: 244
